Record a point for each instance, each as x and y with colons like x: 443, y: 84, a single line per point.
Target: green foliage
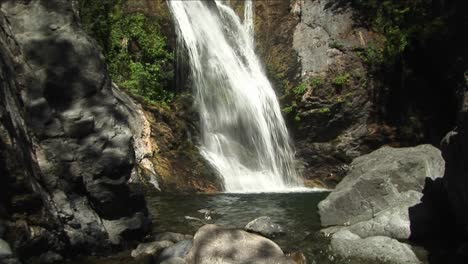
x: 341, y: 80
x: 136, y: 51
x: 403, y: 23
x: 97, y: 21
x: 139, y: 60
x: 324, y: 110
x: 300, y: 89
x: 317, y: 82
x: 288, y: 109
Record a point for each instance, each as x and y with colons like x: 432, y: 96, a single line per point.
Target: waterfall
x: 243, y: 134
x: 249, y: 20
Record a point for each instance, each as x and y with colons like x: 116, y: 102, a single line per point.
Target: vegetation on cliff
x: 420, y: 60
x: 136, y: 51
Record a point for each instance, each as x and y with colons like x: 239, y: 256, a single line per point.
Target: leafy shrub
x: 341, y: 80
x: 136, y: 52
x: 316, y: 82
x: 300, y: 89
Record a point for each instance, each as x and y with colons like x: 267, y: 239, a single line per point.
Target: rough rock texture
x: 60, y: 116
x: 386, y: 196
x: 332, y: 122
x: 214, y: 244
x: 265, y: 226
x: 164, y: 140
x: 376, y: 249
x: 379, y: 181
x: 393, y: 222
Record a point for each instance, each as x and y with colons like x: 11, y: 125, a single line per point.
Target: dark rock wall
x: 455, y: 151
x: 79, y: 153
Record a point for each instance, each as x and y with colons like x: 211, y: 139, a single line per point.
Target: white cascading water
x: 244, y: 136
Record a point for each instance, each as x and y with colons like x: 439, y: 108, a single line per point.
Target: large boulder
x: 386, y: 196
x: 379, y: 181
x: 214, y: 244
x: 375, y: 249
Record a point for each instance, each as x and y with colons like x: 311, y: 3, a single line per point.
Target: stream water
x: 296, y: 212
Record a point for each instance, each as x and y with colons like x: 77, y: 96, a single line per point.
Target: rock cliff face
x: 311, y: 51
x: 67, y: 149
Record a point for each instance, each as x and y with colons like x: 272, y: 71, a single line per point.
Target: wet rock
x: 178, y: 250
x: 173, y: 237
x: 214, y: 244
x: 265, y: 226
x: 376, y: 249
x: 152, y: 248
x: 5, y: 250
x: 378, y: 181
x: 50, y: 257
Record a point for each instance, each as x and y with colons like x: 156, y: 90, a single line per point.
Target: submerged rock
x: 151, y: 248
x: 178, y: 250
x: 214, y: 244
x: 265, y: 226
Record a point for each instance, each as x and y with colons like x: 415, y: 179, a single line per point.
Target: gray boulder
x: 214, y: 244
x: 393, y: 222
x: 375, y: 249
x: 379, y: 181
x: 151, y: 248
x: 5, y: 250
x: 265, y: 226
x: 178, y: 250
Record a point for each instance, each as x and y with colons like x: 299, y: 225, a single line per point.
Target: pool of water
x: 296, y: 212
